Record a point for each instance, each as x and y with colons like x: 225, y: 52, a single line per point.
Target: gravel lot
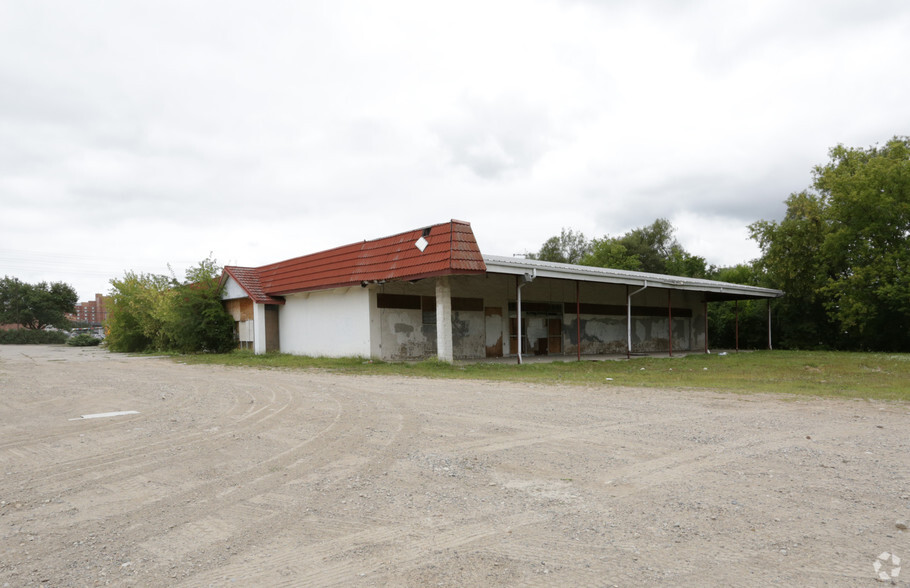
x: 243, y: 477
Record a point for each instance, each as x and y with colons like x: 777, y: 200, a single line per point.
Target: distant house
x: 430, y: 292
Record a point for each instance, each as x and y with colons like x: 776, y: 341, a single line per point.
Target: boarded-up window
x: 241, y: 309
x: 537, y: 307
x: 620, y: 310
x: 411, y: 302
x: 428, y: 306
x: 403, y: 301
x: 467, y: 304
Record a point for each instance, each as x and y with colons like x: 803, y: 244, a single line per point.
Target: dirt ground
x: 244, y: 477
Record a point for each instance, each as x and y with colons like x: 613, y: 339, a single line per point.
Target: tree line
x: 36, y: 306
x: 841, y: 254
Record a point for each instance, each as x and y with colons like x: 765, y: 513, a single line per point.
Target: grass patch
x: 878, y: 376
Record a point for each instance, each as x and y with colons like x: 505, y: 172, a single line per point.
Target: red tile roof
x: 450, y: 249
x: 248, y: 278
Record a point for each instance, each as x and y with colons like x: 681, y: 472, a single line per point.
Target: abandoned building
x: 430, y: 292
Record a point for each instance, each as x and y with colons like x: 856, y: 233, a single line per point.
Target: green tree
x: 793, y: 260
x: 682, y: 263
x: 610, y: 252
x: 196, y: 319
x: 567, y: 247
x: 12, y: 301
x: 868, y: 195
x: 135, y: 312
x: 652, y: 248
x: 35, y: 306
x: 842, y: 252
x: 652, y: 245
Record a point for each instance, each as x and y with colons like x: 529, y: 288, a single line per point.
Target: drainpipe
x: 525, y: 280
x: 629, y: 318
x: 670, y: 319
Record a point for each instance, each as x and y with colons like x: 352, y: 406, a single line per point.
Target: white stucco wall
x: 331, y: 323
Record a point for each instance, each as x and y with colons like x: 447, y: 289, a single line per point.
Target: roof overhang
x: 713, y: 290
x: 248, y: 280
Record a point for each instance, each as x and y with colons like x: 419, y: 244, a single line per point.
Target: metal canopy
x: 714, y: 291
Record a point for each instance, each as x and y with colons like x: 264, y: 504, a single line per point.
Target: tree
x: 868, y: 192
x: 135, y: 312
x: 196, y: 320
x: 35, y: 306
x: 652, y: 245
x: 651, y: 248
x: 567, y: 247
x: 682, y: 263
x: 842, y: 252
x: 12, y: 301
x: 610, y: 252
x: 793, y: 261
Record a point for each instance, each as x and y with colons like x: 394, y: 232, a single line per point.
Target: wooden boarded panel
x: 241, y: 309
x: 554, y: 338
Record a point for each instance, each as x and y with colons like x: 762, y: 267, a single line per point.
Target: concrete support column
x: 258, y: 329
x: 444, y: 319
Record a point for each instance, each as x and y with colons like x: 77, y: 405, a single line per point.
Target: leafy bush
x: 134, y: 313
x: 156, y: 313
x: 31, y: 337
x: 83, y: 340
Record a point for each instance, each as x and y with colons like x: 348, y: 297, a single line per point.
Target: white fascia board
x: 565, y: 271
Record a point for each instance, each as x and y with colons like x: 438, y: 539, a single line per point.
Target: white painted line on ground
x: 102, y: 415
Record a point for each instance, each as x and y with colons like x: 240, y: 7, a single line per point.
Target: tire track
x: 331, y: 562
x: 106, y: 462
x: 271, y: 490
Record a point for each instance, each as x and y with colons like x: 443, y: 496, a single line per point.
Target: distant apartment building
x: 92, y: 312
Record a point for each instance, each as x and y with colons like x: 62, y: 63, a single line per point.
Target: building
x: 93, y: 312
x: 431, y: 292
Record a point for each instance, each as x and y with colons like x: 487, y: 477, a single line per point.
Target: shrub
x: 151, y: 312
x: 83, y: 340
x: 31, y: 337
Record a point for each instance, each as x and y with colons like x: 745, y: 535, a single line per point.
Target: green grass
x: 879, y: 376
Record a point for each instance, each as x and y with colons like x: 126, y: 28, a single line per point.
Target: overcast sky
x: 137, y: 134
